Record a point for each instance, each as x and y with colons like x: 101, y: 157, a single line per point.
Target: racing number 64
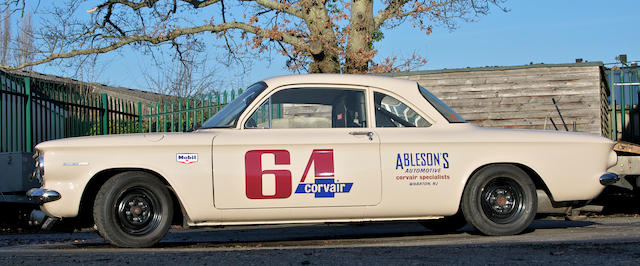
x: 322, y: 160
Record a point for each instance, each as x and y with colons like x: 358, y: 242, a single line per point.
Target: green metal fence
x: 624, y: 86
x: 182, y: 114
x: 34, y: 110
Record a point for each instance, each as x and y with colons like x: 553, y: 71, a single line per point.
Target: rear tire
x: 500, y: 200
x: 133, y: 209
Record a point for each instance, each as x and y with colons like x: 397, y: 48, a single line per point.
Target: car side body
x: 303, y: 168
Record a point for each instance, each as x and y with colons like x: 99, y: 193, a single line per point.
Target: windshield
x: 445, y: 110
x: 228, y: 116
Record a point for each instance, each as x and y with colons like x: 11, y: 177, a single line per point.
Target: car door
x: 414, y: 163
x: 308, y: 146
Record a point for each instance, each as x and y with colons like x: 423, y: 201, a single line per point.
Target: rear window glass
x: 445, y: 110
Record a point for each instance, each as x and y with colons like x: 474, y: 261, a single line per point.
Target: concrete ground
x: 610, y: 240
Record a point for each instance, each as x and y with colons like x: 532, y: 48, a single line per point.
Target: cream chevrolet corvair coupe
x: 320, y: 148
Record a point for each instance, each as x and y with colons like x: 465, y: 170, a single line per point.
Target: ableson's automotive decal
x: 422, y: 168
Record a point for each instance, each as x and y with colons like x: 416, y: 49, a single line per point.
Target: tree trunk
x: 359, y: 44
x: 324, y: 59
x: 322, y: 41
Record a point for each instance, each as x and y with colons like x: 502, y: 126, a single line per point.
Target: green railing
x: 182, y: 114
x: 625, y: 120
x: 33, y: 110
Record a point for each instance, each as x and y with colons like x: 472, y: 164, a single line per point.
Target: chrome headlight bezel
x: 38, y: 171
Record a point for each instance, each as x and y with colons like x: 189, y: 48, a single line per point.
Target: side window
x: 390, y: 112
x: 311, y: 108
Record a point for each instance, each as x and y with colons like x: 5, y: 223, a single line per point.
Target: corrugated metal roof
x: 489, y: 68
x: 118, y: 92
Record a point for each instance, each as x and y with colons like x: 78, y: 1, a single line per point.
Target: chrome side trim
x: 75, y: 164
x: 609, y: 179
x: 41, y: 196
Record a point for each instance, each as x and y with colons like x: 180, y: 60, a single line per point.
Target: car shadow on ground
x: 318, y: 234
x: 556, y: 223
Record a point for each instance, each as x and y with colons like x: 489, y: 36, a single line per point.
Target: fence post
x: 180, y: 115
x: 623, y: 103
x: 105, y: 114
x: 217, y: 101
x: 614, y: 107
x: 139, y: 117
x: 27, y: 112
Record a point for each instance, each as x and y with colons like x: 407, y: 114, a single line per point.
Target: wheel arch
x: 85, y: 212
x: 535, y: 177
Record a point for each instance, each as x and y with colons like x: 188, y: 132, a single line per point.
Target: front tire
x: 500, y: 200
x: 133, y: 209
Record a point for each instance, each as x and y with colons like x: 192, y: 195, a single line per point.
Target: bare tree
x: 186, y: 75
x: 316, y: 35
x: 24, y: 42
x: 5, y: 36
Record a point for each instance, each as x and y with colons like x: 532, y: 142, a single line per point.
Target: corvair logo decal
x: 187, y: 158
x: 324, y: 186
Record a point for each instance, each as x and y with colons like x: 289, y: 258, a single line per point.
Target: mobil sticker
x: 186, y: 158
x: 324, y: 184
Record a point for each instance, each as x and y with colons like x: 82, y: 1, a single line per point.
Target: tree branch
x: 132, y: 5
x: 200, y: 4
x: 289, y: 9
x: 389, y: 12
x: 151, y: 3
x: 264, y: 33
x: 107, y: 20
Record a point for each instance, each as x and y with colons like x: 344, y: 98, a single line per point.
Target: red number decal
x: 322, y: 164
x: 254, y: 173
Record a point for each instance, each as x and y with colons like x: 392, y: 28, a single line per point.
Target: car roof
x: 394, y: 84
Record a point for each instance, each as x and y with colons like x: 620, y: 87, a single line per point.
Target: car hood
x: 129, y: 140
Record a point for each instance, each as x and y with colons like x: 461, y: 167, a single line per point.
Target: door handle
x: 362, y: 133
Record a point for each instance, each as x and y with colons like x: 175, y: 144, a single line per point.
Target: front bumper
x: 609, y: 179
x: 42, y: 196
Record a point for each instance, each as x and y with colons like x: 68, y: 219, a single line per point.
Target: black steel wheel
x: 500, y: 200
x: 133, y: 209
x: 137, y: 210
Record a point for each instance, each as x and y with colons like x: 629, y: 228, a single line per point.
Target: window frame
x: 261, y: 99
x: 239, y: 116
x: 440, y: 106
x: 409, y: 104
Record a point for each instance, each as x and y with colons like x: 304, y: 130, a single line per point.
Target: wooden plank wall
x: 522, y: 97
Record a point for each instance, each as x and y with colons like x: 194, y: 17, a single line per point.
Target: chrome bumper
x: 609, y: 179
x: 41, y: 196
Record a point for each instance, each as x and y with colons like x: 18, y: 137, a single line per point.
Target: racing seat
x: 348, y: 111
